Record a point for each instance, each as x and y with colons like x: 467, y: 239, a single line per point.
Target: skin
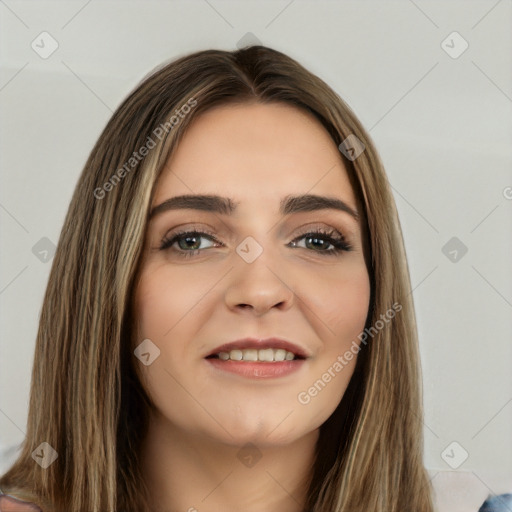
x: 255, y: 154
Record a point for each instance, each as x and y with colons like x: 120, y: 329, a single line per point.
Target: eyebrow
x: 226, y: 206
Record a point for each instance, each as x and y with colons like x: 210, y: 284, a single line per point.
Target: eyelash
x: 333, y: 237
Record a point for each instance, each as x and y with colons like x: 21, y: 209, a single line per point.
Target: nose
x: 259, y: 286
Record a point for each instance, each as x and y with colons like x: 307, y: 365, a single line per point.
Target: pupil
x: 316, y: 241
x: 187, y: 239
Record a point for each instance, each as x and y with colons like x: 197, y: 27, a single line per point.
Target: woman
x: 275, y: 367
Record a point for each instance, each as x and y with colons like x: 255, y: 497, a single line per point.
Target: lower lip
x: 258, y: 370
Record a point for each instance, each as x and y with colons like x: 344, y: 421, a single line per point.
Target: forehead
x: 255, y: 152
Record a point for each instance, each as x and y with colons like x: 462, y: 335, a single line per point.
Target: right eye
x: 191, y: 244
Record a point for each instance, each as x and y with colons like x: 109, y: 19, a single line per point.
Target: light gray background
x: 443, y: 127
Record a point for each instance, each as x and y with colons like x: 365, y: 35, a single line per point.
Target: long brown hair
x: 86, y: 401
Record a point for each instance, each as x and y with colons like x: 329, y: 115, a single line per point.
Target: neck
x: 189, y: 472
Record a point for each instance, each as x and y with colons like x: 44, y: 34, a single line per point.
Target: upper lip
x: 260, y: 343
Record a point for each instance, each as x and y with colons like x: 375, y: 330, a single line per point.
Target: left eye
x: 323, y: 239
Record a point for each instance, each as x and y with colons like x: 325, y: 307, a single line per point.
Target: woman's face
x: 253, y: 272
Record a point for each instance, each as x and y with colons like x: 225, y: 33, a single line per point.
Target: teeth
x: 261, y: 355
x: 266, y: 354
x: 236, y: 355
x: 279, y: 355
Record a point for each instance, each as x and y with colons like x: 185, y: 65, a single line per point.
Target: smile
x: 267, y: 355
x: 265, y: 363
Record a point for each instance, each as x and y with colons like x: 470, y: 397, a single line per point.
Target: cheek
x: 166, y: 305
x: 164, y: 298
x: 337, y: 305
x: 340, y: 304
x: 341, y: 301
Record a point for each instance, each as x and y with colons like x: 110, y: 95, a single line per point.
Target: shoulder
x: 10, y: 504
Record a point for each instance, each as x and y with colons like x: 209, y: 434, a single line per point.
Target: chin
x: 262, y: 431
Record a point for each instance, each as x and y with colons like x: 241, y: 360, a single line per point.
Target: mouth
x: 262, y: 355
x: 269, y: 350
x: 258, y: 358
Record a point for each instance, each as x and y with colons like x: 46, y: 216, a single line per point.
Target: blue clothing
x: 500, y: 503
